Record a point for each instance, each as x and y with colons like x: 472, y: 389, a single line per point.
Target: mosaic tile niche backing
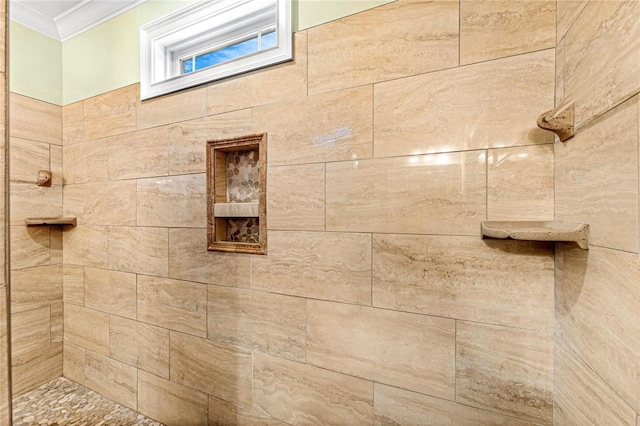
x: 243, y: 179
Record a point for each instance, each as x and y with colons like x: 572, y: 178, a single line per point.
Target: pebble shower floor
x: 62, y: 402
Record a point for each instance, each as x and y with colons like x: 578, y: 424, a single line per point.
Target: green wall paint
x: 35, y: 66
x: 106, y: 57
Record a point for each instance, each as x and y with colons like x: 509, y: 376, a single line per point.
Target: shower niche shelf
x: 236, y: 194
x: 57, y: 221
x: 538, y: 231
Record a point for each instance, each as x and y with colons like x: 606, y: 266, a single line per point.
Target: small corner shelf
x: 236, y: 210
x: 538, y: 231
x: 58, y: 221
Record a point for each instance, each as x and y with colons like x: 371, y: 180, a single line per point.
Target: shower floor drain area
x: 62, y: 402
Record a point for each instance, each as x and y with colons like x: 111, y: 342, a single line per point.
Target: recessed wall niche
x: 236, y: 194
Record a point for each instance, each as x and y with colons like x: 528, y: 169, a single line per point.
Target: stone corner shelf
x: 235, y: 210
x: 538, y: 231
x: 60, y: 221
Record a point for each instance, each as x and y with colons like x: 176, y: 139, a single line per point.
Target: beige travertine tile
x: 330, y: 127
x: 55, y: 164
x: 105, y: 203
x: 86, y: 162
x: 74, y: 362
x: 597, y: 179
x: 57, y: 322
x: 489, y: 105
x: 112, y: 292
x: 567, y: 12
x: 73, y: 123
x: 111, y: 113
x: 419, y: 36
x: 140, y: 154
x: 295, y: 197
x: 222, y: 413
x: 398, y: 194
x: 31, y: 369
x: 86, y: 328
x: 26, y: 158
x: 331, y: 266
x: 560, y: 72
x: 506, y: 370
x: 465, y: 278
x: 495, y: 29
x: 173, y: 304
x: 266, y: 322
x: 29, y: 200
x: 143, y: 250
x: 55, y: 236
x: 188, y: 140
x: 582, y: 398
x: 520, y: 184
x: 597, y: 299
x: 30, y: 246
x: 221, y: 372
x: 173, y: 201
x: 35, y: 287
x: 395, y: 406
x: 112, y: 379
x: 73, y: 284
x: 85, y: 245
x: 140, y: 345
x: 383, y: 346
x: 180, y: 405
x: 272, y: 84
x: 190, y: 260
x: 172, y: 108
x: 301, y: 394
x: 35, y: 120
x: 30, y: 330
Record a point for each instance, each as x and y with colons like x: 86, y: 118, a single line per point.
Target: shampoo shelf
x: 59, y: 221
x: 236, y: 210
x: 538, y: 231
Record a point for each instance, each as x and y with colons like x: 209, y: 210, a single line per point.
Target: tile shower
x: 392, y: 135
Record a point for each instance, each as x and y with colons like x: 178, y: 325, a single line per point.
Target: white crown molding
x: 73, y: 21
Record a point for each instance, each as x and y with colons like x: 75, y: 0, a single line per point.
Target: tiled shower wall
x: 597, y: 365
x: 391, y: 136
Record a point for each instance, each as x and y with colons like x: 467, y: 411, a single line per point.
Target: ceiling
x: 63, y: 19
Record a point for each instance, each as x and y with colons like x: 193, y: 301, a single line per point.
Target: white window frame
x: 205, y: 25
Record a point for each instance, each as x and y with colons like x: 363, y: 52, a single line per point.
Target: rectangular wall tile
x: 180, y: 406
x: 113, y: 379
x: 35, y: 287
x: 190, y: 260
x: 520, y: 183
x: 597, y: 179
x: 383, y: 346
x: 86, y: 328
x: 172, y: 108
x: 35, y: 120
x: 55, y: 254
x: 221, y: 372
x: 496, y: 29
x: 331, y: 266
x: 420, y: 36
x: 305, y: 395
x: 73, y: 123
x: 489, y: 105
x: 397, y: 194
x: 268, y: 85
x: 223, y: 413
x: 506, y: 370
x: 173, y: 201
x: 110, y: 291
x: 188, y: 140
x: 597, y: 299
x: 35, y: 368
x: 295, y: 197
x: 30, y: 246
x: 111, y: 113
x: 177, y: 305
x: 74, y: 362
x: 56, y: 154
x: 266, y: 322
x: 105, y: 203
x: 57, y: 322
x: 26, y: 158
x: 86, y: 162
x: 86, y: 245
x: 567, y: 12
x: 30, y: 330
x: 395, y: 406
x: 143, y: 250
x: 139, y: 154
x: 465, y: 278
x: 582, y: 398
x: 29, y: 200
x: 297, y: 133
x: 140, y: 345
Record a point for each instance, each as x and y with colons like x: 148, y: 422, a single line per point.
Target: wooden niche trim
x: 217, y: 151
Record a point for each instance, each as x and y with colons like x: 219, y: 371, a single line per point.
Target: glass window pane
x: 187, y: 66
x: 269, y: 40
x: 228, y: 53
